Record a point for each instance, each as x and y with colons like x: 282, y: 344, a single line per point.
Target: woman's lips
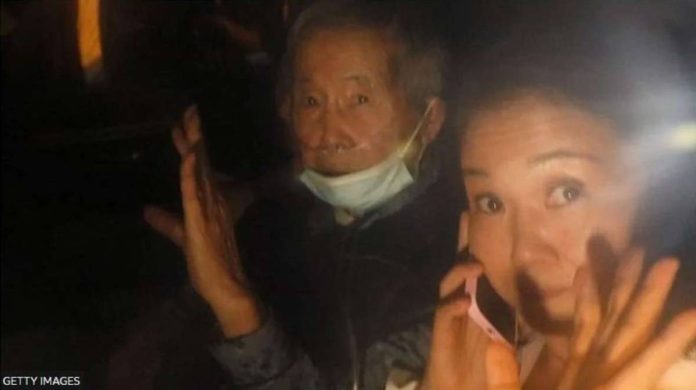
x: 543, y: 289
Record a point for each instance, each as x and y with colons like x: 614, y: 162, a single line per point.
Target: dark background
x: 79, y: 162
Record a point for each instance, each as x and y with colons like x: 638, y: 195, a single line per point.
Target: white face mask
x: 362, y: 191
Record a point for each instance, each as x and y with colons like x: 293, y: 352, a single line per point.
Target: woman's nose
x: 532, y: 237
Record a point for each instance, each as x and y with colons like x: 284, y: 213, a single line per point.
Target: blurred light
x: 89, y: 39
x: 683, y: 138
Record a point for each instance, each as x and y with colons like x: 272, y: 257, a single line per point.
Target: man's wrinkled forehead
x: 358, y: 55
x: 360, y: 79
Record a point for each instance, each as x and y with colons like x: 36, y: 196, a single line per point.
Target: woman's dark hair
x: 618, y: 65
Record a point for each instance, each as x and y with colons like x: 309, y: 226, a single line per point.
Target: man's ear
x: 435, y: 119
x: 463, y: 231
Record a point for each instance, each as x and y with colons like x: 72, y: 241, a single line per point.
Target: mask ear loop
x: 403, y: 151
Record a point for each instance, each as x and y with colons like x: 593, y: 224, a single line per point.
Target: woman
x: 549, y: 140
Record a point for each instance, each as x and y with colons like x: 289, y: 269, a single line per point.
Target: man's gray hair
x: 417, y: 64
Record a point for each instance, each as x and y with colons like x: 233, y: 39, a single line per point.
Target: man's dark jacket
x: 352, y: 302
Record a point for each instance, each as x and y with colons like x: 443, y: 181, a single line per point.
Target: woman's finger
x: 587, y: 318
x: 602, y: 263
x: 644, y: 372
x: 448, y: 329
x: 457, y: 275
x: 625, y: 282
x: 502, y: 371
x: 638, y: 324
x: 447, y: 314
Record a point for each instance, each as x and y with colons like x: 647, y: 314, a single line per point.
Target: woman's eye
x: 362, y: 99
x: 564, y: 194
x: 488, y: 204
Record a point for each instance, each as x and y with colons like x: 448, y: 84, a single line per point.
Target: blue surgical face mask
x: 362, y: 191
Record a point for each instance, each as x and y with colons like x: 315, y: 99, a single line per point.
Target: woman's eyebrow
x: 562, y: 153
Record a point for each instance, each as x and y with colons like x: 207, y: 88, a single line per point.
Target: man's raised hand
x: 212, y: 258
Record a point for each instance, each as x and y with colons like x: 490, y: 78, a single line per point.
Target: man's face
x: 542, y: 179
x: 345, y: 110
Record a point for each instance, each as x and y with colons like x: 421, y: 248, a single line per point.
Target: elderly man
x: 333, y: 278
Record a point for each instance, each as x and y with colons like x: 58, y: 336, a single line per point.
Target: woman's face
x: 542, y: 178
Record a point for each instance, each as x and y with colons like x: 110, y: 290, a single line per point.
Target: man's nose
x: 332, y: 131
x: 532, y: 237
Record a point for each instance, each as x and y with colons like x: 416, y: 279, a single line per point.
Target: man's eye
x: 362, y: 99
x: 564, y: 194
x: 488, y: 204
x: 311, y: 101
